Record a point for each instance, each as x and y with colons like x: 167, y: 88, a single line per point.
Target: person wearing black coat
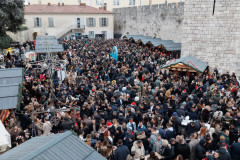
x: 117, y: 135
x: 93, y: 125
x: 191, y: 128
x: 67, y: 124
x: 183, y: 149
x: 224, y: 154
x: 121, y: 152
x: 166, y: 151
x: 200, y: 149
x: 235, y: 149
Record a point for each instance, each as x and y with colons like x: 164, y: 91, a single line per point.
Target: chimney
x: 49, y: 4
x: 58, y: 4
x: 82, y: 4
x: 62, y: 4
x: 105, y: 6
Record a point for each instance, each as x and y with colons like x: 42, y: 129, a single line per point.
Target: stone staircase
x: 72, y: 29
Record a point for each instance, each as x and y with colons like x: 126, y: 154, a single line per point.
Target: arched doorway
x: 34, y: 35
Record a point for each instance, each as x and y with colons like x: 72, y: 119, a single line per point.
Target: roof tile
x: 67, y: 9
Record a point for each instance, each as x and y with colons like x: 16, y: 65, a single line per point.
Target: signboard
x: 31, y: 56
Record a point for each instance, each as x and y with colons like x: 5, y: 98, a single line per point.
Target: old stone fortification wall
x: 160, y: 21
x: 213, y: 38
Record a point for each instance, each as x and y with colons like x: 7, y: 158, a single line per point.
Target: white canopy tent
x: 5, y: 139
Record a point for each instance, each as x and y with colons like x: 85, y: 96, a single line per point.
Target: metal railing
x: 69, y: 29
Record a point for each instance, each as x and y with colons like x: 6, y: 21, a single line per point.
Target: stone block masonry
x: 214, y: 38
x: 161, y: 21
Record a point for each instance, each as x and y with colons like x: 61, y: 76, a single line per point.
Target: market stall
x: 187, y: 65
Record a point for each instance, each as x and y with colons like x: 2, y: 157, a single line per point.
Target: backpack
x: 218, y: 115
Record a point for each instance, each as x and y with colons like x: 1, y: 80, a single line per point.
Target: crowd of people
x: 130, y: 109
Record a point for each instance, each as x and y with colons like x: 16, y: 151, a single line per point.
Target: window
x: 142, y: 2
x: 79, y: 1
x: 103, y: 22
x: 80, y: 23
x: 116, y: 2
x: 104, y: 34
x: 37, y: 22
x: 166, y: 1
x: 99, y: 2
x: 50, y: 22
x: 131, y: 2
x: 91, y: 34
x: 91, y: 22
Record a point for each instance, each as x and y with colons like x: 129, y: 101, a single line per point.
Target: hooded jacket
x: 200, y: 150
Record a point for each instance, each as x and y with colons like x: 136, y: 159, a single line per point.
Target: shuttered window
x: 99, y: 2
x: 37, y: 22
x: 80, y: 23
x: 116, y: 2
x: 91, y: 22
x: 103, y: 22
x: 131, y: 2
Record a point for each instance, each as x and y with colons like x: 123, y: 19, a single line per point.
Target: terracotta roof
x: 67, y: 9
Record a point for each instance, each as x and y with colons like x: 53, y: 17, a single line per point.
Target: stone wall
x: 213, y: 38
x: 160, y: 21
x: 21, y: 36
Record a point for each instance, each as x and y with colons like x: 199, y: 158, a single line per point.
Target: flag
x: 4, y: 115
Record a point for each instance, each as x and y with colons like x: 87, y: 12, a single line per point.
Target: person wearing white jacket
x: 47, y: 127
x: 138, y: 147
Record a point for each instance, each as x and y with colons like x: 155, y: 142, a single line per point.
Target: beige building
x: 66, y: 21
x: 110, y: 4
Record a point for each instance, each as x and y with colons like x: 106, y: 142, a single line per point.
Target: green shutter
x: 87, y: 22
x: 40, y: 22
x: 35, y: 22
x: 106, y: 22
x: 94, y: 22
x: 100, y: 22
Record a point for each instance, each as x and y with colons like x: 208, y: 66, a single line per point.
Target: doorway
x: 35, y: 35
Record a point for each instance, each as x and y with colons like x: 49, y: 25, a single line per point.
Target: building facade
x: 211, y: 33
x: 67, y: 21
x: 159, y: 21
x: 110, y: 4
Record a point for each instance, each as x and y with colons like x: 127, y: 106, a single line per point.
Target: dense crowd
x: 130, y: 109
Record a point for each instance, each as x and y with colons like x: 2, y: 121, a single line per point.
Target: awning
x: 169, y: 45
x: 189, y: 61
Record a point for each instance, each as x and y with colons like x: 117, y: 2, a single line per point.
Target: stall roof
x: 9, y: 87
x: 8, y: 96
x: 190, y: 61
x: 53, y: 147
x: 169, y: 45
x: 46, y: 44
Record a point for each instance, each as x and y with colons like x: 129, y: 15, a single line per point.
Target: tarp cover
x: 5, y: 139
x: 169, y: 45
